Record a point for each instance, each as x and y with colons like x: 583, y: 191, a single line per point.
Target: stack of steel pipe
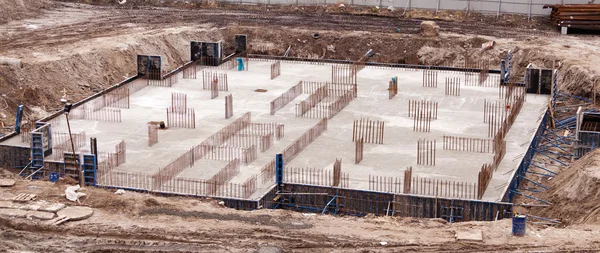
x: 582, y: 16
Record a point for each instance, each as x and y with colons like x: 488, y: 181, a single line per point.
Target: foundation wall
x: 358, y: 202
x: 14, y: 157
x: 348, y: 201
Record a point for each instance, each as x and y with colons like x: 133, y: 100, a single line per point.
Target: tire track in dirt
x: 107, y: 21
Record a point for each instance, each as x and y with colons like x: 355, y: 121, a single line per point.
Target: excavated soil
x: 19, y: 9
x: 138, y: 222
x: 80, y: 49
x: 575, y: 192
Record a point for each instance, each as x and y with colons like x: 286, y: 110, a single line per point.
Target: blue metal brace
x: 542, y: 218
x: 535, y: 183
x: 531, y: 197
x: 554, y: 159
x: 329, y: 203
x: 530, y: 190
x: 540, y: 174
x: 533, y: 163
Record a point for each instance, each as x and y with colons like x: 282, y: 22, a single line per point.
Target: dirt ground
x: 137, y: 222
x: 80, y: 49
x: 574, y: 193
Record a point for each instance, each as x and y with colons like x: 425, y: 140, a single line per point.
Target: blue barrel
x: 518, y: 225
x: 240, y: 64
x: 53, y: 177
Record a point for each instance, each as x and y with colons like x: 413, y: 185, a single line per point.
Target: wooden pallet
x: 24, y: 197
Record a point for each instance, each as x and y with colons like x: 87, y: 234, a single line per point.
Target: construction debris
x: 24, y: 197
x: 429, y: 29
x: 488, y: 45
x: 26, y: 214
x: 72, y: 213
x: 469, y: 235
x: 72, y: 194
x: 7, y: 61
x: 7, y: 182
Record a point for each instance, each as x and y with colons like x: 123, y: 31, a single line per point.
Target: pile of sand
x: 575, y: 192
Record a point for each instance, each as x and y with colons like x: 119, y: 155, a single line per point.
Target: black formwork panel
x: 546, y: 81
x: 51, y: 166
x: 360, y: 202
x: 539, y: 81
x: 240, y: 204
x: 533, y: 80
x: 14, y: 157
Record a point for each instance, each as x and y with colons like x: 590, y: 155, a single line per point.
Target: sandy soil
x: 136, y: 222
x: 20, y: 9
x: 574, y: 192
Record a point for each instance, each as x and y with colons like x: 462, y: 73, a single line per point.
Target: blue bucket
x: 518, y: 225
x: 53, y: 177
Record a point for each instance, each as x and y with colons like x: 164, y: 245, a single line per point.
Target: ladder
x: 89, y: 169
x: 37, y: 157
x: 72, y: 162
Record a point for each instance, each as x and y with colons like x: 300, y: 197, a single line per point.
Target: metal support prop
x: 279, y: 171
x: 328, y: 203
x: 540, y: 174
x: 554, y: 159
x: 531, y: 197
x: 542, y: 218
x: 19, y: 117
x: 535, y: 183
x: 533, y: 163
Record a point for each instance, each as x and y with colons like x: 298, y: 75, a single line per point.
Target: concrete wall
x: 529, y: 7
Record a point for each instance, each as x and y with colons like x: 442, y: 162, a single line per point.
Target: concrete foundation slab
x: 457, y: 116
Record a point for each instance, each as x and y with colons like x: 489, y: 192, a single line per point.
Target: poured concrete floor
x: 457, y: 116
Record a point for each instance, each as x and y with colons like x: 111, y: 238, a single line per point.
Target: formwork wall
x: 13, y: 156
x: 359, y: 202
x: 526, y: 161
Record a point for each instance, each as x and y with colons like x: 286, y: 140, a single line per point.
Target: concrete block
x: 469, y: 235
x: 74, y: 213
x: 7, y: 204
x: 7, y: 182
x: 13, y: 213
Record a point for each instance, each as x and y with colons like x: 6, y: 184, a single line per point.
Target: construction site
x: 205, y: 126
